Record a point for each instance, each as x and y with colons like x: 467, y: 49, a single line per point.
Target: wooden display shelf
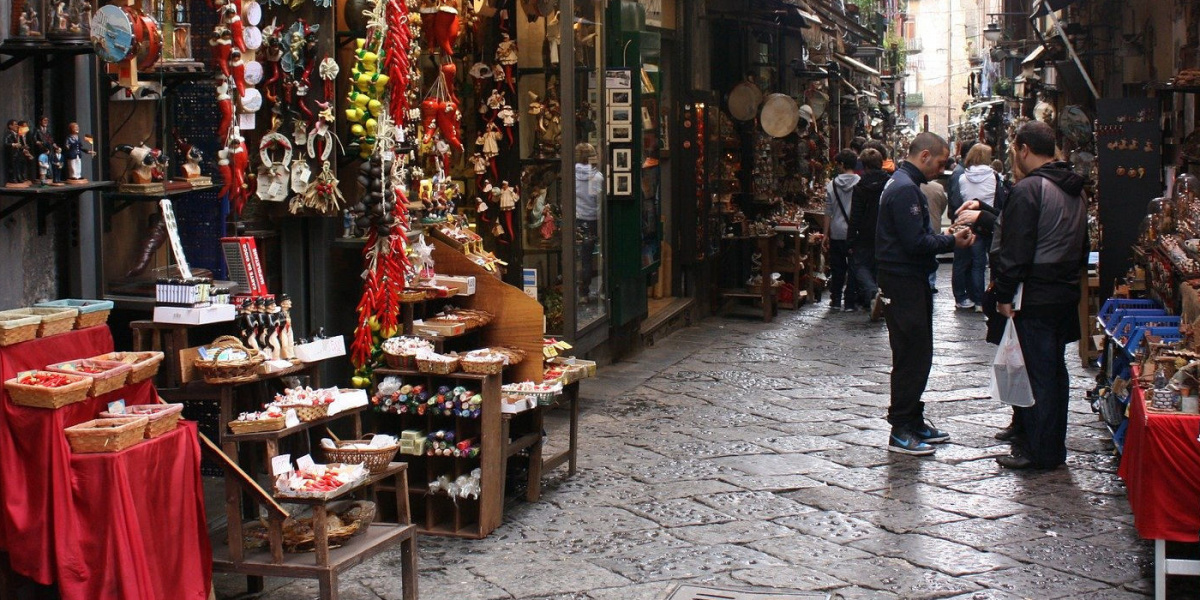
x: 766, y: 296
x: 378, y: 538
x: 262, y: 436
x: 393, y: 469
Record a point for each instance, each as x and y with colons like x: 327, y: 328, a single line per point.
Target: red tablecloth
x: 50, y: 512
x: 1161, y: 468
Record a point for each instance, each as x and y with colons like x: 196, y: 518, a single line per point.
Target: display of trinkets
x: 464, y: 486
x: 192, y: 292
x: 393, y: 396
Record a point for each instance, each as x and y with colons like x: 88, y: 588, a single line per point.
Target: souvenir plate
x: 112, y: 34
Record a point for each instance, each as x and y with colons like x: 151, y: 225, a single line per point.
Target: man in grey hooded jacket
x: 839, y: 195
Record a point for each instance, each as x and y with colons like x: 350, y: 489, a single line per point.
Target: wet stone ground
x: 742, y: 454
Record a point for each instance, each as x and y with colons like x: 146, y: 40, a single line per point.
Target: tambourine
x: 780, y: 115
x: 149, y: 40
x: 252, y: 37
x: 112, y: 34
x: 253, y: 72
x: 252, y: 102
x: 252, y: 13
x: 744, y: 100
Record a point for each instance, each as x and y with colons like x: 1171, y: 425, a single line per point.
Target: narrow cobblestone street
x: 739, y: 453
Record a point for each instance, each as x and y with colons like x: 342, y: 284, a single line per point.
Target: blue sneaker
x: 905, y: 441
x: 930, y: 434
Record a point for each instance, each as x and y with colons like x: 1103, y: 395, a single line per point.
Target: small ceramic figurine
x: 56, y: 165
x: 73, y: 151
x: 245, y: 324
x: 274, y: 322
x: 15, y: 164
x: 287, y: 335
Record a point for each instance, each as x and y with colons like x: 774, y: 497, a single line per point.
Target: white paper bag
x: 1010, y: 380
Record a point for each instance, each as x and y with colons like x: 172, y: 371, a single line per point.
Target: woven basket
x: 482, y: 367
x: 413, y: 296
x: 229, y: 371
x: 91, y: 312
x: 298, y: 537
x: 113, y: 378
x: 92, y: 319
x: 306, y: 412
x: 437, y: 367
x: 44, y: 397
x: 54, y: 320
x: 376, y: 459
x: 400, y: 361
x: 16, y: 327
x: 161, y: 418
x: 106, y: 435
x: 257, y: 426
x: 142, y: 365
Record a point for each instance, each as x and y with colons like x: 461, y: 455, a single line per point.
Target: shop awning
x: 985, y: 104
x: 830, y: 14
x: 1036, y: 54
x: 856, y: 65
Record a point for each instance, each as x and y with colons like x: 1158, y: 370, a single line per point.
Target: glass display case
x: 589, y: 182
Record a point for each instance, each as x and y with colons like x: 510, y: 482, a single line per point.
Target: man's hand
x: 1006, y: 310
x: 963, y: 238
x: 968, y: 205
x: 967, y: 217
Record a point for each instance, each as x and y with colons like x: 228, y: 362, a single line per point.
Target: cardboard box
x: 216, y: 313
x: 321, y: 349
x: 439, y: 329
x: 463, y: 286
x: 245, y: 268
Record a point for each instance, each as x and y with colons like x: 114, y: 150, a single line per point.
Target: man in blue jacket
x: 906, y: 250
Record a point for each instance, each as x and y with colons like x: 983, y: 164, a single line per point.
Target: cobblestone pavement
x: 739, y: 453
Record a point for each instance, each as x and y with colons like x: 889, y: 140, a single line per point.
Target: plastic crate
x: 1168, y: 334
x: 1111, y: 324
x: 1126, y: 327
x: 1113, y: 304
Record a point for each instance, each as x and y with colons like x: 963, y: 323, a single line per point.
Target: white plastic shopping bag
x: 1010, y: 381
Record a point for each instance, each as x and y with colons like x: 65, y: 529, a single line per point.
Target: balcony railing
x: 914, y: 45
x: 914, y: 99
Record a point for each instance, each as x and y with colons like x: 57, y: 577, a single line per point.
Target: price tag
x: 276, y: 191
x: 305, y: 463
x: 281, y: 465
x: 290, y: 419
x: 246, y: 121
x: 380, y: 441
x: 117, y: 407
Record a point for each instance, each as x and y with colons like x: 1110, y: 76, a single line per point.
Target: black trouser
x: 1044, y: 336
x: 587, y: 254
x: 909, y: 316
x: 839, y: 267
x: 863, y: 271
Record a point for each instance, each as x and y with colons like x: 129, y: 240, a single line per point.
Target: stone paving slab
x: 739, y: 453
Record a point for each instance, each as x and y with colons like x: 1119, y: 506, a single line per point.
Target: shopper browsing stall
x: 1041, y: 244
x: 839, y: 196
x: 864, y: 217
x: 961, y: 274
x: 979, y: 182
x: 906, y: 250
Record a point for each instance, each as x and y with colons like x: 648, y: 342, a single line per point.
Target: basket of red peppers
x: 46, y: 389
x: 319, y: 481
x: 107, y: 376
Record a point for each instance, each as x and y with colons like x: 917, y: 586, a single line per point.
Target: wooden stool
x: 168, y: 338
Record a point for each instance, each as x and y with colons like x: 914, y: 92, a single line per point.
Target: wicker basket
x: 91, y: 312
x: 258, y: 426
x: 111, y: 379
x: 54, y: 320
x: 437, y: 367
x: 306, y: 412
x: 482, y: 367
x: 298, y: 537
x: 43, y: 397
x: 413, y: 296
x: 17, y: 327
x: 106, y: 435
x: 217, y: 372
x: 400, y: 361
x: 376, y: 459
x: 142, y: 365
x: 161, y: 418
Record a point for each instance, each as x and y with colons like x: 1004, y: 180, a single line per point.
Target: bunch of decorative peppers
x: 46, y: 380
x: 366, y: 92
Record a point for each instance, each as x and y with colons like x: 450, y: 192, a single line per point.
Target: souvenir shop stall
x: 760, y: 142
x: 265, y: 158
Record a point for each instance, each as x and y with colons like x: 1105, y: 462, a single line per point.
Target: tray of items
x: 161, y: 418
x: 17, y: 327
x: 374, y: 451
x: 545, y: 393
x: 483, y: 362
x: 308, y: 403
x: 401, y: 352
x: 271, y: 419
x: 105, y: 435
x: 437, y: 364
x: 107, y: 376
x: 45, y: 389
x: 90, y: 312
x: 320, y: 482
x: 142, y: 365
x: 226, y: 360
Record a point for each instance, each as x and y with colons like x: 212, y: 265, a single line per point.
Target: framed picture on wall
x: 620, y: 133
x: 620, y: 97
x: 622, y: 159
x: 620, y: 115
x: 622, y: 184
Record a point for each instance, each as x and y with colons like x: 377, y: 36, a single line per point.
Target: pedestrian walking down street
x: 1041, y: 243
x: 839, y: 197
x: 981, y: 183
x: 864, y: 217
x: 906, y: 252
x: 888, y: 165
x: 961, y: 272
